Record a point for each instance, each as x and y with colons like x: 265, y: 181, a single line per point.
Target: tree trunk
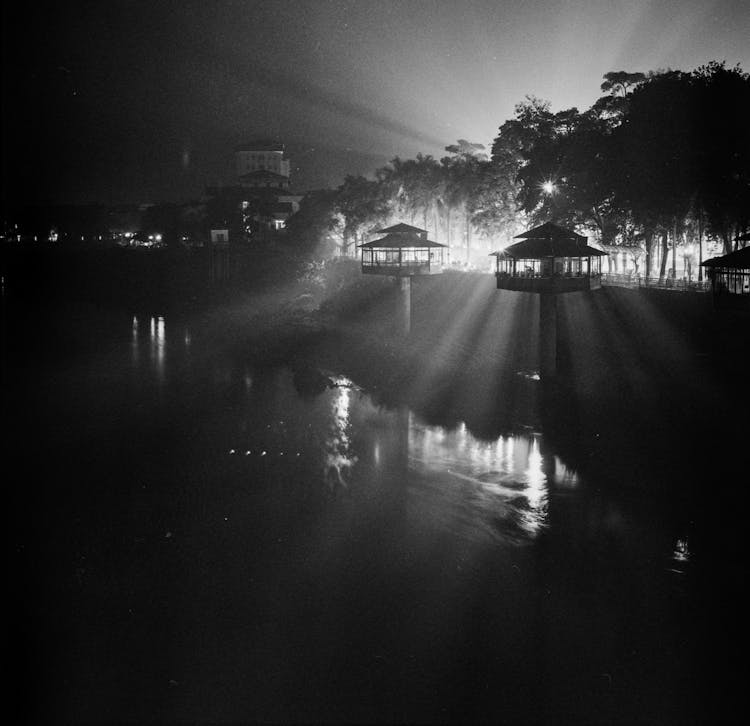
x: 664, y: 254
x: 468, y: 235
x: 649, y: 246
x: 727, y: 241
x: 700, y: 247
x: 674, y: 250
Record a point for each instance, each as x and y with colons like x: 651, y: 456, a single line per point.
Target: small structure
x: 730, y: 278
x: 219, y: 236
x: 402, y: 253
x: 549, y: 260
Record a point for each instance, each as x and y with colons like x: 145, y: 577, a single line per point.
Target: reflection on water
x: 338, y: 457
x: 509, y: 470
x: 158, y: 345
x: 338, y: 537
x: 681, y: 551
x: 134, y: 348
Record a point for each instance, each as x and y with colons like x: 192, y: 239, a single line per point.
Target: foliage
x: 663, y: 155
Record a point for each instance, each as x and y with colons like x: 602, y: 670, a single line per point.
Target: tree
x: 462, y: 181
x: 621, y: 82
x: 316, y: 228
x: 722, y: 152
x: 363, y: 204
x: 655, y: 149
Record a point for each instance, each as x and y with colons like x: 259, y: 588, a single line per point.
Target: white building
x: 261, y: 156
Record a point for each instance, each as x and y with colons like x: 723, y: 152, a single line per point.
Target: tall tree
x: 723, y: 149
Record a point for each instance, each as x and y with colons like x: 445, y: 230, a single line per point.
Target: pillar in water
x: 547, y: 335
x: 404, y: 286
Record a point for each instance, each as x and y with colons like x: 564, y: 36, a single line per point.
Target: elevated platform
x: 405, y: 269
x: 554, y: 284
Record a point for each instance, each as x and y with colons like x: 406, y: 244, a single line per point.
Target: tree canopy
x: 661, y: 155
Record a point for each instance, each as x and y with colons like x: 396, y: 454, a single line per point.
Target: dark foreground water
x: 198, y: 539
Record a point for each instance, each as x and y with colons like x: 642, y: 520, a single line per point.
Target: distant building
x: 219, y: 236
x: 261, y: 200
x: 254, y: 159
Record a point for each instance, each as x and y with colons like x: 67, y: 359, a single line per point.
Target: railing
x: 665, y: 283
x: 403, y: 267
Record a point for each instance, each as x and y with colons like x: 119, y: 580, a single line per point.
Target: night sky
x: 128, y: 101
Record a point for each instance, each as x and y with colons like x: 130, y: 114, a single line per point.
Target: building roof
x: 737, y: 260
x: 284, y: 208
x: 401, y: 241
x: 401, y: 228
x: 261, y: 145
x: 549, y: 240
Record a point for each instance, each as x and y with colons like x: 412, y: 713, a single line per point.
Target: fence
x: 665, y: 283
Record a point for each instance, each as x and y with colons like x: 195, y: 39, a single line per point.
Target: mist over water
x: 207, y: 538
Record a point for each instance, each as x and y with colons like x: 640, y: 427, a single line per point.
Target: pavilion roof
x: 401, y: 241
x: 737, y: 260
x: 549, y: 240
x: 537, y: 249
x: 550, y: 231
x: 401, y: 228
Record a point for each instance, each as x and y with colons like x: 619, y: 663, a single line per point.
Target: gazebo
x: 730, y: 278
x: 549, y: 259
x: 403, y: 252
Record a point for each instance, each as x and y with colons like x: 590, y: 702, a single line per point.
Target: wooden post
x: 404, y: 284
x: 547, y: 336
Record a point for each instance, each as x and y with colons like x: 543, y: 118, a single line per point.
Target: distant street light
x: 549, y: 187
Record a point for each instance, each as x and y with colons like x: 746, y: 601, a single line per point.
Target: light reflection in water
x: 536, y: 489
x: 338, y: 456
x: 510, y: 470
x: 158, y: 345
x: 681, y: 551
x: 564, y: 477
x: 134, y: 342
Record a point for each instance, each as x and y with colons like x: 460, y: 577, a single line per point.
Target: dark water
x: 198, y: 539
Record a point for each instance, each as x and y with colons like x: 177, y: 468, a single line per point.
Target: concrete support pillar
x: 547, y: 336
x: 404, y: 304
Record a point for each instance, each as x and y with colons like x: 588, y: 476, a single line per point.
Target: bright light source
x: 549, y: 187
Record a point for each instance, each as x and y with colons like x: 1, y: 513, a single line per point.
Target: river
x: 204, y: 539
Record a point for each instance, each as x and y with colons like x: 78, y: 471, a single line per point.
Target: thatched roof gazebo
x: 549, y: 259
x: 404, y: 251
